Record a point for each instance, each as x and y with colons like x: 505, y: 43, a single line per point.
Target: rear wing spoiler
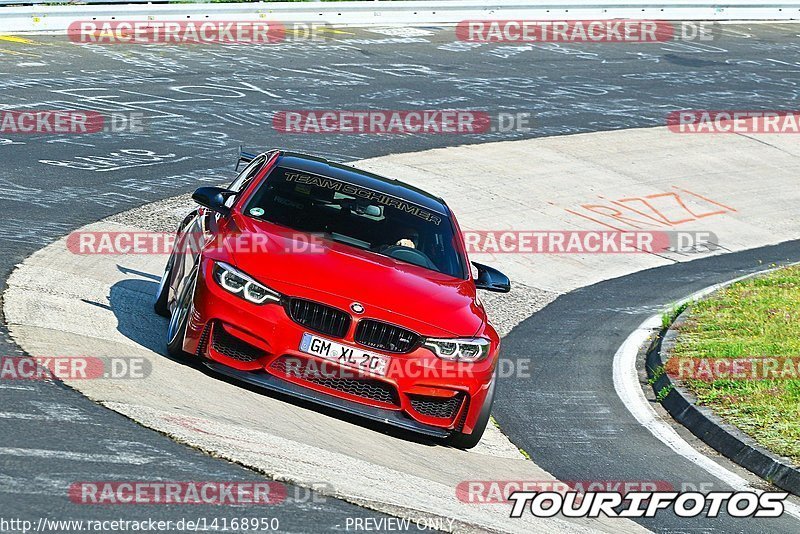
x: 244, y: 157
x: 247, y: 157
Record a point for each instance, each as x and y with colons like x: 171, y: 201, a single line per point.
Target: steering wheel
x: 409, y: 255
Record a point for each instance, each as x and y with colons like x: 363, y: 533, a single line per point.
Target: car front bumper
x: 250, y: 343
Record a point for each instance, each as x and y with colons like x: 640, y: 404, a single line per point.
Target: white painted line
x: 626, y: 383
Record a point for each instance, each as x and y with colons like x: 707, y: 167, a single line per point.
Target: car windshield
x: 358, y: 217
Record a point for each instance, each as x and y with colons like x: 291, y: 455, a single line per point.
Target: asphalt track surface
x: 568, y: 416
x: 200, y: 103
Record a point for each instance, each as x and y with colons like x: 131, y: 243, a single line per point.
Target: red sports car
x: 340, y: 287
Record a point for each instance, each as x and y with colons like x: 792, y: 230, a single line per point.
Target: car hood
x: 430, y: 303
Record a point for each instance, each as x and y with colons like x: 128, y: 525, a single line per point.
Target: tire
x: 161, y: 304
x: 180, y: 317
x: 468, y: 441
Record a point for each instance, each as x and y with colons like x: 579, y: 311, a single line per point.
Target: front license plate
x: 369, y: 362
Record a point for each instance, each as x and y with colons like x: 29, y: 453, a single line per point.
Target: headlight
x: 463, y: 350
x: 238, y: 283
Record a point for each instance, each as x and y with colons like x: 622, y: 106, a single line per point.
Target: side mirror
x: 213, y: 198
x: 491, y: 279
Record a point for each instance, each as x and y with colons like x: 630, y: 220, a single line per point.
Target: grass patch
x: 663, y: 392
x: 658, y: 372
x: 667, y: 318
x: 758, y: 317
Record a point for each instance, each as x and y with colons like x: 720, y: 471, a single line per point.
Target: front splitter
x: 273, y: 383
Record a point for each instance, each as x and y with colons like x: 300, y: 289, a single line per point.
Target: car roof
x: 345, y: 173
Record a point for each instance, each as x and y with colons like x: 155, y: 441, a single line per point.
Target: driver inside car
x: 409, y: 238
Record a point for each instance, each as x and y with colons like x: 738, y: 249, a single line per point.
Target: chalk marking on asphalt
x: 321, y: 29
x: 77, y: 456
x: 50, y: 412
x: 19, y: 388
x: 39, y: 417
x: 626, y: 383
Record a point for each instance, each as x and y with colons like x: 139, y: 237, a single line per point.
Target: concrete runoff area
x: 743, y: 189
x: 740, y: 188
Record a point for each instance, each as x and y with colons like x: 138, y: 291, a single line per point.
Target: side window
x: 241, y: 181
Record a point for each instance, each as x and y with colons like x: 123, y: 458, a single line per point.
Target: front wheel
x: 468, y: 441
x: 180, y: 316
